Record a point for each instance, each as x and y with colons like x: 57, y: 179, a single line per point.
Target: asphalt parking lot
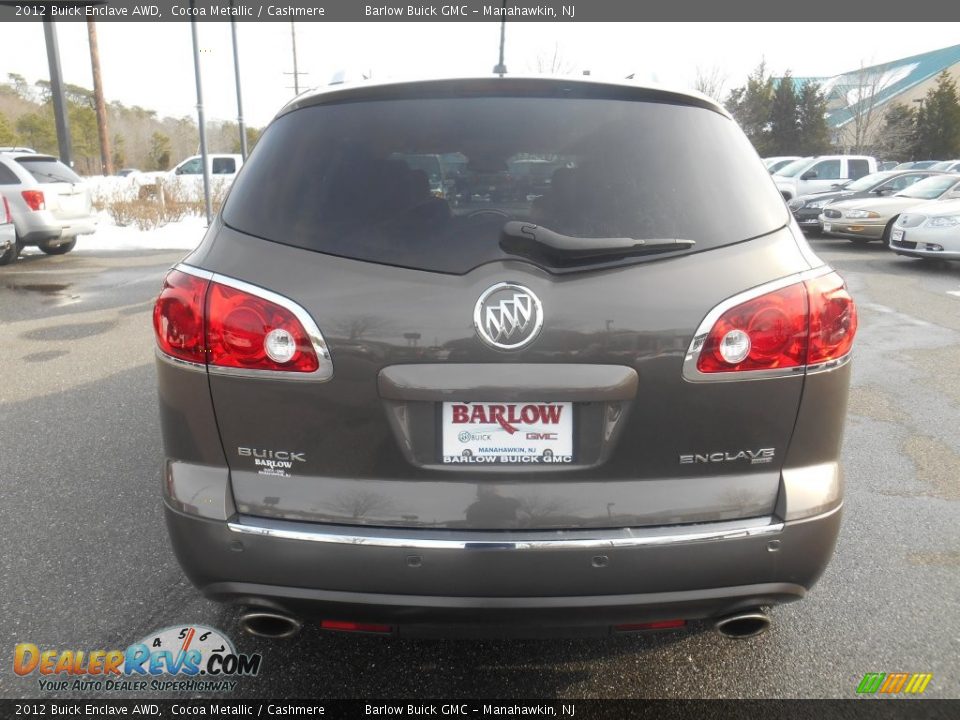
x: 86, y: 562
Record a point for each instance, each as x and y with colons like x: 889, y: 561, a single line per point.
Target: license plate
x: 826, y: 227
x: 897, y: 236
x: 507, y: 433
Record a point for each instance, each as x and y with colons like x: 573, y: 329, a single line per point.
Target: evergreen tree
x: 814, y: 135
x: 784, y: 128
x: 7, y: 134
x: 938, y: 121
x: 898, y: 137
x: 37, y: 131
x: 751, y: 107
x: 119, y: 151
x: 160, y: 151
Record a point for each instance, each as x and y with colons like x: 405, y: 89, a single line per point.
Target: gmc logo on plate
x: 541, y: 436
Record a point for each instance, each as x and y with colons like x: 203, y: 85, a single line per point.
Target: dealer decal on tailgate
x: 507, y: 433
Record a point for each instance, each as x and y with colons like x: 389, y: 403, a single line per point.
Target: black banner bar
x: 473, y: 11
x: 862, y: 709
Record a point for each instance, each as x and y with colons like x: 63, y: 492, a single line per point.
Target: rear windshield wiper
x: 540, y: 243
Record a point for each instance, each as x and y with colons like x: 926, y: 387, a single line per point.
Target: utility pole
x: 56, y: 91
x: 501, y: 69
x: 296, y: 72
x: 106, y: 157
x: 236, y: 74
x: 200, y: 116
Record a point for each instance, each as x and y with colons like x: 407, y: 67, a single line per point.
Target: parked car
x: 947, y: 166
x: 595, y: 410
x: 917, y: 165
x: 824, y: 172
x: 50, y: 204
x: 775, y: 163
x: 8, y: 234
x: 930, y: 231
x: 863, y: 220
x: 808, y: 208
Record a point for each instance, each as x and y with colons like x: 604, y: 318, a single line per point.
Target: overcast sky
x: 150, y: 64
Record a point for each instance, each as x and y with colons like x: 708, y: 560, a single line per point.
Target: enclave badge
x: 508, y: 316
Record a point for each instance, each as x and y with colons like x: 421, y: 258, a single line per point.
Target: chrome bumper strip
x: 539, y: 540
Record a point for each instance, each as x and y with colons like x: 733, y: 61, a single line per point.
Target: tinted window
x: 858, y: 168
x: 224, y: 166
x: 867, y: 182
x: 930, y: 188
x: 46, y: 170
x: 431, y: 183
x: 795, y: 168
x: 8, y: 177
x: 827, y: 170
x: 191, y: 167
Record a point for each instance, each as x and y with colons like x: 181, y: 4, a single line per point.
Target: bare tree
x: 710, y: 82
x: 865, y: 116
x: 553, y: 63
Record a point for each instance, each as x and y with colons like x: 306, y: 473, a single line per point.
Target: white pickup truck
x: 821, y: 173
x: 187, y: 175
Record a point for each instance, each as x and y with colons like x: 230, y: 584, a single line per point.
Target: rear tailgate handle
x: 519, y: 382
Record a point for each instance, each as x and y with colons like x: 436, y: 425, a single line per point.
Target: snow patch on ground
x: 184, y: 234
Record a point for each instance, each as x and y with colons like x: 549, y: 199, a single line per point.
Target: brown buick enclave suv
x: 610, y: 400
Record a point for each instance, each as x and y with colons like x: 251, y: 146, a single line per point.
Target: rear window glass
x: 49, y: 170
x: 7, y: 176
x: 431, y: 183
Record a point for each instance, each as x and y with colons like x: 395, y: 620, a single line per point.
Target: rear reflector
x: 658, y: 625
x: 217, y: 324
x: 803, y: 324
x: 347, y: 626
x: 7, y: 217
x: 34, y: 199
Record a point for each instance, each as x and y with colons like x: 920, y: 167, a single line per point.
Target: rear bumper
x: 41, y: 227
x: 849, y: 229
x: 449, y: 582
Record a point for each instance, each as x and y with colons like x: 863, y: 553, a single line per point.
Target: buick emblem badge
x: 508, y: 316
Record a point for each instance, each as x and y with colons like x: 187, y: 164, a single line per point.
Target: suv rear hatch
x: 328, y: 214
x: 66, y: 196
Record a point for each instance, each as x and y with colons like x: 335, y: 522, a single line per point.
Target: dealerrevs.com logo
x: 185, y: 658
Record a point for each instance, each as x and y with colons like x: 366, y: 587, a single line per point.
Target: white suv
x: 50, y: 204
x: 821, y: 173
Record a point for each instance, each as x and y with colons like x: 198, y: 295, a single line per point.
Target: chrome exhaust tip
x: 742, y: 625
x: 269, y: 624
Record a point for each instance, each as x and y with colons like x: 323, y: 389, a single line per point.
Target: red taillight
x: 204, y: 321
x: 34, y: 199
x: 806, y: 323
x: 833, y: 319
x: 776, y: 326
x: 178, y: 316
x: 247, y: 331
x: 347, y: 626
x: 657, y: 625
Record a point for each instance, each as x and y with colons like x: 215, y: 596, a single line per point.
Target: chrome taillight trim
x: 325, y: 370
x: 692, y: 374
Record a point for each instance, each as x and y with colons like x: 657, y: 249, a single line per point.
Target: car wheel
x: 10, y: 255
x: 61, y: 249
x: 885, y: 239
